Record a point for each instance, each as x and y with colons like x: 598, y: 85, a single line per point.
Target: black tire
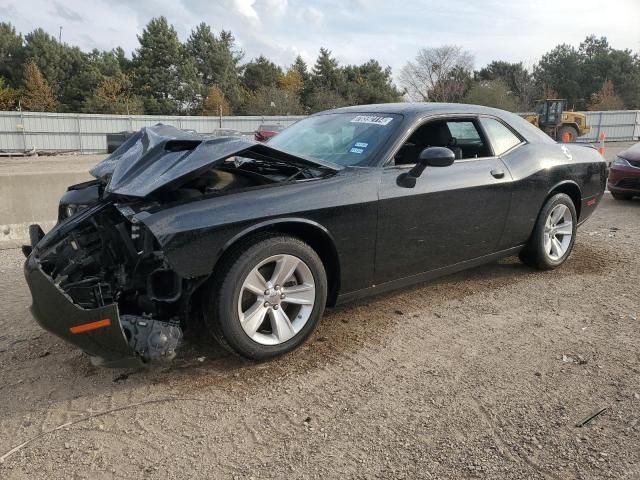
x: 534, y: 253
x: 573, y: 133
x: 221, y: 306
x: 621, y: 196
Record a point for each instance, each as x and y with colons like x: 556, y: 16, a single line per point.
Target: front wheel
x: 554, y: 234
x: 268, y: 297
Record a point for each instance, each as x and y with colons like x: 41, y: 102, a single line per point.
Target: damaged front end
x: 99, y: 281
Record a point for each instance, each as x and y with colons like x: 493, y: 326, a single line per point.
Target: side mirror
x: 430, y: 156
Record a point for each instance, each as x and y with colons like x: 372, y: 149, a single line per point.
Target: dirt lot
x: 479, y: 375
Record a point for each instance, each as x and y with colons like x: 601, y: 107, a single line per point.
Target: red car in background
x: 265, y: 132
x: 624, y: 174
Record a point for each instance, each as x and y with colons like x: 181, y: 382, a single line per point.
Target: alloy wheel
x: 276, y: 299
x: 558, y: 230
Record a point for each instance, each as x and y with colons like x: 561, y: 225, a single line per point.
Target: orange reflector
x: 86, y: 327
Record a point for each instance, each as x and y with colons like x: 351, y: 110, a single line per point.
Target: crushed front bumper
x: 98, y: 332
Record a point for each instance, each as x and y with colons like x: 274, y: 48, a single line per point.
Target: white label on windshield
x: 375, y: 119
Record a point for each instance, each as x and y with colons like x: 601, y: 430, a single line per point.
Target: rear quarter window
x: 501, y: 137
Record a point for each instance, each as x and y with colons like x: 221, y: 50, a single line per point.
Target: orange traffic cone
x: 566, y: 137
x: 601, y: 137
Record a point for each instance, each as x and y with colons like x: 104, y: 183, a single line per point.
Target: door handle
x: 497, y: 173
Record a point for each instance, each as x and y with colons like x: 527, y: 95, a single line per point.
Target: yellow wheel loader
x: 551, y: 117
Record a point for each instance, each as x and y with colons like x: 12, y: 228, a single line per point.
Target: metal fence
x: 86, y: 133
x: 618, y: 125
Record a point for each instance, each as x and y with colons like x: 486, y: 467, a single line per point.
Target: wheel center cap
x: 273, y: 296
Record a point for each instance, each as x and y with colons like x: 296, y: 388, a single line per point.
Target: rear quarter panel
x: 537, y: 170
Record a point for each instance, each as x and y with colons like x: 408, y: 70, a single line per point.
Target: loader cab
x: 550, y: 112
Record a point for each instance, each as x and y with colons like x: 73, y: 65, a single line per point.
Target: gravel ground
x: 482, y: 374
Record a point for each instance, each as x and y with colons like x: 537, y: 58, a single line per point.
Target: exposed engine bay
x: 107, y: 259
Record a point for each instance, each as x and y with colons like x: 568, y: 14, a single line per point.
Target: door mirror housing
x: 430, y: 156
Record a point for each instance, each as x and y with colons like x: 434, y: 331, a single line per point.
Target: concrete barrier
x: 31, y: 198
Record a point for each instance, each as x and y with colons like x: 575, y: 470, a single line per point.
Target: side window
x: 459, y: 135
x: 500, y: 136
x: 464, y: 132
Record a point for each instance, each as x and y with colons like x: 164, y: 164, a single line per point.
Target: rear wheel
x: 268, y: 297
x: 571, y: 132
x: 554, y: 234
x: 621, y: 196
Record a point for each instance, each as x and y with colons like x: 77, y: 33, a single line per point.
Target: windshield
x: 341, y: 138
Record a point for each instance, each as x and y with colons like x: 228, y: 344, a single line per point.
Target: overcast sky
x: 355, y: 30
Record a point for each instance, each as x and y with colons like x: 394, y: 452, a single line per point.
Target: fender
x: 560, y: 185
x: 216, y: 242
x: 326, y: 248
x: 270, y: 223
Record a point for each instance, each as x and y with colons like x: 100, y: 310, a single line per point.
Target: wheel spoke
x: 556, y: 247
x: 557, y: 214
x: 547, y: 243
x: 549, y: 223
x: 285, y: 266
x: 281, y: 325
x: 253, y: 318
x: 565, y: 229
x: 304, y: 294
x: 255, y: 282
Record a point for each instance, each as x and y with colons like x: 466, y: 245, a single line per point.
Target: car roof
x: 419, y: 108
x: 412, y: 111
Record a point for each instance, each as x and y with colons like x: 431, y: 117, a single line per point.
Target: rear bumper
x: 55, y: 312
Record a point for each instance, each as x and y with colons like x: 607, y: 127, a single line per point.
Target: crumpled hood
x: 163, y: 155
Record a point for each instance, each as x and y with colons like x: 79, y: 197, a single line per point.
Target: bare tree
x: 441, y: 74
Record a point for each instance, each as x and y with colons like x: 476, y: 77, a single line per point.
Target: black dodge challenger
x: 258, y: 239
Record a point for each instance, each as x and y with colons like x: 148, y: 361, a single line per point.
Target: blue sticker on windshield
x: 356, y: 150
x: 361, y: 145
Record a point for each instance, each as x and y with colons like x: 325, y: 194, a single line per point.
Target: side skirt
x: 426, y: 276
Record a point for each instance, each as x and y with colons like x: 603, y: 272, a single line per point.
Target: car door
x: 452, y: 214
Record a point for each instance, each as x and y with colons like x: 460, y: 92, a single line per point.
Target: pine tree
x: 369, y: 83
x: 204, y: 48
x: 261, y: 72
x: 37, y: 94
x: 11, y: 55
x: 326, y: 74
x: 157, y: 63
x: 300, y: 67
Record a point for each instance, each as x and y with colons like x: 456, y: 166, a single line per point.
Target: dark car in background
x: 624, y: 174
x: 265, y: 132
x: 257, y: 239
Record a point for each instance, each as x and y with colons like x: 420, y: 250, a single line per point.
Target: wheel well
x: 573, y: 191
x: 314, y: 236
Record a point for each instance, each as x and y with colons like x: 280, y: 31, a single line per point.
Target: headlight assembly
x: 620, y: 162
